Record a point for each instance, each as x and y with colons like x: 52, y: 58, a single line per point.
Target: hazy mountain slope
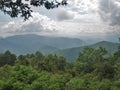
x: 72, y: 53
x: 24, y: 46
x: 21, y: 44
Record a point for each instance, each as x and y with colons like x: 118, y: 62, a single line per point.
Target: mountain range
x: 62, y: 46
x: 22, y: 44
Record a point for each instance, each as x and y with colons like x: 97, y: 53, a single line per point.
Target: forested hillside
x: 72, y: 53
x: 91, y: 71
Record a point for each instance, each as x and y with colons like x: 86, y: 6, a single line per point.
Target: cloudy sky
x: 85, y: 19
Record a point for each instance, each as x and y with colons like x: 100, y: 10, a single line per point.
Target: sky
x: 84, y: 19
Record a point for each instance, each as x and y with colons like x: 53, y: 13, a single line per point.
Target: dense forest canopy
x: 93, y: 70
x: 15, y: 8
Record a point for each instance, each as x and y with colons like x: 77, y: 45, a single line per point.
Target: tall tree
x: 7, y: 58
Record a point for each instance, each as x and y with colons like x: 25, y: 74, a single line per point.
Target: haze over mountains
x: 63, y: 46
x: 22, y: 44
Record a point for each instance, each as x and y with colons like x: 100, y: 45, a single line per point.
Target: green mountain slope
x: 72, y: 53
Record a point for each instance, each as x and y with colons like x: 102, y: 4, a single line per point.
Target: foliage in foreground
x: 93, y: 70
x: 15, y: 8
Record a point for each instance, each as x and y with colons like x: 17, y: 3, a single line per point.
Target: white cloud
x: 38, y: 23
x: 84, y: 6
x: 80, y: 11
x: 79, y: 19
x: 89, y: 31
x: 42, y: 25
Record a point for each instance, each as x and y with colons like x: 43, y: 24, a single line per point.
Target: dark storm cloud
x: 64, y: 15
x: 110, y: 11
